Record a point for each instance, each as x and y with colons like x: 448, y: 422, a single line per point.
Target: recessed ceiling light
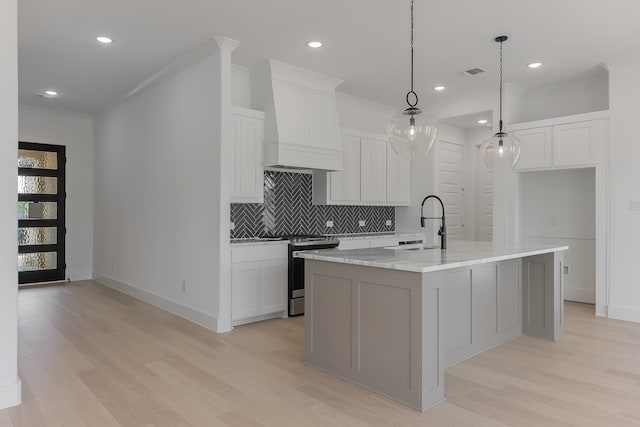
x: 104, y: 39
x: 314, y: 45
x: 483, y: 121
x: 535, y: 64
x: 439, y: 88
x: 49, y: 93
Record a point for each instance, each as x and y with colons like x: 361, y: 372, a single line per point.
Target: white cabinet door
x: 248, y: 175
x: 536, y: 148
x: 373, y: 170
x: 575, y: 144
x: 344, y: 186
x: 398, y: 178
x: 245, y: 290
x: 273, y: 285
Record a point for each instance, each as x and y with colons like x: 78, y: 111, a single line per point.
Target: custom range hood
x: 301, y: 128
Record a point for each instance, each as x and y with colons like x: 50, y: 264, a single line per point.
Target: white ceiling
x: 470, y: 121
x: 365, y: 42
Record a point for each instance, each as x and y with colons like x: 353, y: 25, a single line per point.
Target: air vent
x: 473, y: 71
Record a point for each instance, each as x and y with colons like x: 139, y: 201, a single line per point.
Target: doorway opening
x: 41, y: 213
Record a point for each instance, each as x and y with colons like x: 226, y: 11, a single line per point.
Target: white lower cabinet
x: 258, y: 282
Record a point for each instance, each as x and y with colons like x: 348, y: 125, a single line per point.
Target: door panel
x: 41, y: 212
x: 450, y: 187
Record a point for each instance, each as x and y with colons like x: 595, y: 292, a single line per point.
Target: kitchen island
x: 392, y: 319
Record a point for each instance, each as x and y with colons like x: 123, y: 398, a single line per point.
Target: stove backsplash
x: 288, y: 209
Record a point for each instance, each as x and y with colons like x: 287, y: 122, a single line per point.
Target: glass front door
x: 41, y: 207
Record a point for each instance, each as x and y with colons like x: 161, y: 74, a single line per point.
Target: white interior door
x: 449, y: 165
x: 485, y: 200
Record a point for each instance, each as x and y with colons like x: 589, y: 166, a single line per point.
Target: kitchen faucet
x: 443, y: 229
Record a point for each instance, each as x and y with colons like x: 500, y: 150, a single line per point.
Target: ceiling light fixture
x: 501, y: 148
x: 483, y: 121
x: 314, y: 45
x: 104, y: 39
x: 49, y: 93
x: 439, y: 88
x: 534, y: 65
x: 411, y: 131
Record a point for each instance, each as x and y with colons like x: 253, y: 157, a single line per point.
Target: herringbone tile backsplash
x: 288, y: 209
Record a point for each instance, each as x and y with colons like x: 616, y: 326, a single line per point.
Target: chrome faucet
x: 443, y: 228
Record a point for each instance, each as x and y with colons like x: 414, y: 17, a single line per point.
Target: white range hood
x: 301, y: 118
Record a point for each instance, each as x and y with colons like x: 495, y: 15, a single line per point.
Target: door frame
x: 57, y: 274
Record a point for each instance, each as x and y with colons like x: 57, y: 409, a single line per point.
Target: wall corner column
x: 226, y: 47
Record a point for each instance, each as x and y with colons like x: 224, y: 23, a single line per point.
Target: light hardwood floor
x: 90, y: 356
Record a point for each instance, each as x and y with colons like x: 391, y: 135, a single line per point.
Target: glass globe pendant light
x: 412, y: 131
x: 501, y: 148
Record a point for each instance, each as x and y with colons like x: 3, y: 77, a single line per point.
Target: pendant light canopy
x: 412, y: 131
x: 501, y: 148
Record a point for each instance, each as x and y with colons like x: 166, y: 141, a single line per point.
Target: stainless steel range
x: 299, y: 243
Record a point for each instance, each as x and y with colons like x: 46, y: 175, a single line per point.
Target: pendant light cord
x: 500, y: 125
x: 412, y: 92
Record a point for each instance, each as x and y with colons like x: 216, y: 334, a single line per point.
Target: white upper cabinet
x: 301, y: 127
x: 248, y: 170
x: 575, y: 143
x: 373, y: 174
x: 373, y: 170
x: 345, y: 184
x: 536, y: 148
x: 563, y: 142
x: 398, y: 178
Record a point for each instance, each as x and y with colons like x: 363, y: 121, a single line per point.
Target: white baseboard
x: 75, y: 275
x: 572, y: 293
x: 210, y: 322
x: 630, y: 314
x: 11, y: 394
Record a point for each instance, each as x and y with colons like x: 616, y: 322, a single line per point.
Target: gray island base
x: 391, y: 320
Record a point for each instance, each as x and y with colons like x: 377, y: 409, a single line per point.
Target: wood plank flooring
x: 90, y: 356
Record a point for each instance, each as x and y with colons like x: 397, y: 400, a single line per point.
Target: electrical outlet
x: 565, y: 270
x: 329, y: 223
x: 361, y: 223
x: 388, y: 223
x: 233, y: 226
x: 184, y: 286
x: 634, y: 205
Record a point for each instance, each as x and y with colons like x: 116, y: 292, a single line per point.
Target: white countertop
x: 256, y: 242
x: 459, y: 254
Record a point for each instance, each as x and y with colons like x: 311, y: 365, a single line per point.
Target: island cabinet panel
x: 377, y: 328
x: 384, y: 340
x: 542, y: 308
x: 332, y: 330
x: 482, y: 305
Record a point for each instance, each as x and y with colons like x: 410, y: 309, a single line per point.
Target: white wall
x: 567, y: 98
x: 240, y: 86
x: 423, y: 183
x: 362, y: 114
x: 558, y: 207
x: 9, y: 381
x: 624, y: 180
x: 75, y: 131
x: 157, y: 201
x: 479, y: 200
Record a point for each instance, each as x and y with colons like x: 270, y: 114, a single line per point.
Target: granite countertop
x: 246, y: 241
x: 354, y: 236
x: 253, y: 241
x: 428, y: 259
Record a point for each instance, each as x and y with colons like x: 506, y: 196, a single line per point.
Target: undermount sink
x: 416, y: 247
